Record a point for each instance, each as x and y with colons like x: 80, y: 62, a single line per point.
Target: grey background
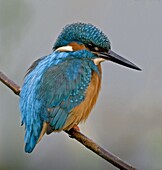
x: 127, y: 119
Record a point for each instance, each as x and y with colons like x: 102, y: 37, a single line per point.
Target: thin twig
x: 8, y: 82
x: 108, y: 156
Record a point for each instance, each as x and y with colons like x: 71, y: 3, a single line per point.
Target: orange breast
x: 80, y: 113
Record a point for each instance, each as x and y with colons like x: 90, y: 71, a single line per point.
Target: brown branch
x: 12, y: 85
x: 108, y: 156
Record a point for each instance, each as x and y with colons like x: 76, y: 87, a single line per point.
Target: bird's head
x: 78, y: 36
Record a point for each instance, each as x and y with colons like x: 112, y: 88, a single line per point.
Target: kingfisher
x: 60, y: 89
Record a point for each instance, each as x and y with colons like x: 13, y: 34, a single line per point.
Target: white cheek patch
x: 65, y: 48
x: 98, y: 60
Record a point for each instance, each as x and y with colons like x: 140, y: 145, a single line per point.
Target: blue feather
x: 53, y: 86
x: 56, y: 118
x: 81, y: 32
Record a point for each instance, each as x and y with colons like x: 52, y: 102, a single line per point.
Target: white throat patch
x: 98, y: 60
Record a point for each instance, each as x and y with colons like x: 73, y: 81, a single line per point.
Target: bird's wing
x: 63, y: 87
x: 52, y: 87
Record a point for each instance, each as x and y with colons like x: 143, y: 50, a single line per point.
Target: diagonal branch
x: 108, y: 156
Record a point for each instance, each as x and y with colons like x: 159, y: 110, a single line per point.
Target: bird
x: 59, y: 90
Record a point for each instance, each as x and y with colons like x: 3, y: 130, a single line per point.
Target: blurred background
x: 127, y: 119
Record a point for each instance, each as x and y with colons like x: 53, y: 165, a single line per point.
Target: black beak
x: 117, y: 59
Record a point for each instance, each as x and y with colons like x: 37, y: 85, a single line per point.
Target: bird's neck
x: 74, y: 46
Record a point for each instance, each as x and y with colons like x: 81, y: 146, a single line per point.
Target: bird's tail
x: 30, y: 109
x: 32, y: 135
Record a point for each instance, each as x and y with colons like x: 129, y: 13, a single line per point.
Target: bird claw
x: 76, y: 128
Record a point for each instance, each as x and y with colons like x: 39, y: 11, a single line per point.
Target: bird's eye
x: 92, y: 47
x: 96, y: 48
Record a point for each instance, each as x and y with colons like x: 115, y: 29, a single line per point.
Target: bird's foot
x: 76, y: 128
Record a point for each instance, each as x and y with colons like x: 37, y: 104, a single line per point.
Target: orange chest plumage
x: 80, y: 113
